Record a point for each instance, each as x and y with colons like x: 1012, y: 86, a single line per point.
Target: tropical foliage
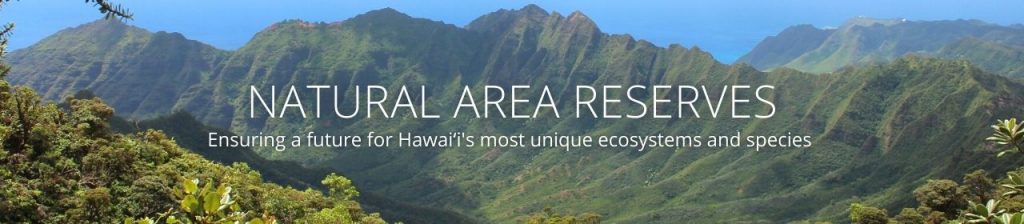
x: 63, y: 164
x: 978, y: 200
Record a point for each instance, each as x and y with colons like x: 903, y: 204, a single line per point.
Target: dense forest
x: 62, y: 163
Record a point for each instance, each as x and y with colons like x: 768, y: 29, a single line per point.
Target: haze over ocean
x: 727, y: 29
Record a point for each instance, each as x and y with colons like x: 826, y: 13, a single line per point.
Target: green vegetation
x: 64, y: 164
x: 977, y: 200
x: 205, y: 205
x: 340, y: 187
x: 190, y: 134
x: 879, y: 130
x: 867, y: 215
x: 548, y: 216
x: 999, y: 57
x: 1008, y: 133
x: 136, y: 58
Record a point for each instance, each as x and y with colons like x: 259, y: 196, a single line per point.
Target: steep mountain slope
x: 864, y: 40
x: 144, y: 73
x: 879, y: 130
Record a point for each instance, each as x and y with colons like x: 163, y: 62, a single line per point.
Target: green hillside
x: 879, y: 129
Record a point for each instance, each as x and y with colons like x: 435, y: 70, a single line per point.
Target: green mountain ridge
x: 879, y: 129
x: 989, y: 55
x: 119, y: 63
x: 864, y: 40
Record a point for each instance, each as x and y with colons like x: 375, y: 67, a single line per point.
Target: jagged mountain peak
x: 577, y: 17
x: 533, y: 16
x: 503, y: 18
x: 533, y: 9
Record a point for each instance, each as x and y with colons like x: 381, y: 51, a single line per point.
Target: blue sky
x: 727, y: 29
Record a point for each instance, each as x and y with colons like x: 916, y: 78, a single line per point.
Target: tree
x: 978, y: 186
x: 111, y: 10
x: 861, y: 214
x: 5, y: 33
x: 343, y: 192
x: 941, y: 195
x: 340, y: 187
x: 908, y: 216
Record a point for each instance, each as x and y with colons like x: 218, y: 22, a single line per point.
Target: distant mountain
x: 994, y: 56
x: 791, y: 43
x: 879, y: 129
x: 865, y: 40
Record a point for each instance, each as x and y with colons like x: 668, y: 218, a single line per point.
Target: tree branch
x: 111, y: 10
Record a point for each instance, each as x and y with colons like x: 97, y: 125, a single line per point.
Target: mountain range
x: 995, y: 48
x: 880, y: 127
